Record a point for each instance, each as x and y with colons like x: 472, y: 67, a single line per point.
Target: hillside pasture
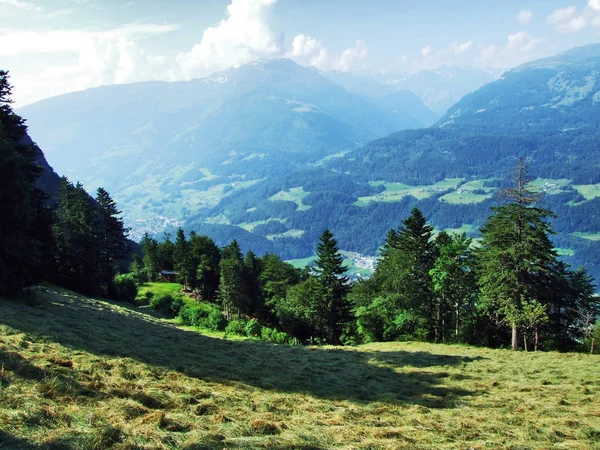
x: 89, y: 373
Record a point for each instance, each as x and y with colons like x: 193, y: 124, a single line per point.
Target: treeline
x: 509, y: 288
x: 65, y: 237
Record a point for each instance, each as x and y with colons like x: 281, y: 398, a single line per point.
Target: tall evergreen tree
x: 232, y: 286
x: 24, y: 244
x: 112, y: 235
x: 78, y: 255
x: 333, y: 303
x: 403, y: 275
x: 183, y: 261
x: 516, y: 254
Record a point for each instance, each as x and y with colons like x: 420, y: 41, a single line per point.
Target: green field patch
x: 250, y: 226
x: 221, y: 219
x: 565, y: 251
x: 395, y: 192
x: 550, y: 186
x: 159, y: 288
x: 465, y: 197
x: 295, y: 195
x: 588, y: 236
x: 301, y: 263
x: 588, y: 191
x: 293, y: 233
x: 465, y: 228
x: 474, y: 191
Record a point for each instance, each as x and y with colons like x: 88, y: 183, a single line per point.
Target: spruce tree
x: 516, y: 255
x: 333, y: 304
x: 25, y: 239
x: 112, y: 235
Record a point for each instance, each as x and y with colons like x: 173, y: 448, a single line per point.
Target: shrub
x: 125, y: 288
x: 253, y: 328
x: 162, y: 302
x: 275, y: 336
x: 202, y: 315
x: 237, y: 326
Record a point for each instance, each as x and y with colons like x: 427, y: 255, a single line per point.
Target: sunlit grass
x: 87, y: 373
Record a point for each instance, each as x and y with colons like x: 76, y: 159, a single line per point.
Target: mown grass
x: 159, y: 288
x: 87, y: 373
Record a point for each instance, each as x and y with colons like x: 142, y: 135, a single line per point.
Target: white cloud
x: 522, y: 42
x: 594, y: 4
x: 309, y: 52
x: 93, y: 59
x: 562, y: 15
x: 242, y: 37
x: 596, y: 21
x: 426, y: 51
x: 21, y: 5
x: 352, y: 58
x: 524, y: 16
x: 573, y: 25
x: 461, y: 48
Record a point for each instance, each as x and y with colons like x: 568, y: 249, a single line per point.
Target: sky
x: 52, y: 47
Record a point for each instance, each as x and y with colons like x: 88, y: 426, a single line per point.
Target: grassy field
x: 293, y: 195
x: 588, y: 236
x: 159, y: 288
x: 396, y: 191
x: 589, y: 191
x: 92, y: 374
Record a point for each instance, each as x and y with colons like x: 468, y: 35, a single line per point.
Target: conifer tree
x: 516, y: 255
x: 333, y: 304
x: 24, y: 221
x: 112, y: 235
x: 232, y: 292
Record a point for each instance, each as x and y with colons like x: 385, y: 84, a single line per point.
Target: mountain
x: 269, y: 154
x: 441, y: 88
x: 169, y: 150
x: 400, y: 101
x: 546, y: 111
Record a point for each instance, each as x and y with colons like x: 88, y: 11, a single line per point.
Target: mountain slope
x: 151, y: 144
x: 79, y: 372
x: 452, y: 170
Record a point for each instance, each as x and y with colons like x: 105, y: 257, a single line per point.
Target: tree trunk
x: 457, y: 327
x: 525, y: 342
x: 592, y: 347
x: 537, y: 338
x: 515, y: 336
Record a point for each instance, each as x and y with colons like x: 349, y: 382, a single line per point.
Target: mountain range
x: 271, y: 153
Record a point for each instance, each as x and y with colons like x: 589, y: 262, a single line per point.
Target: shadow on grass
x: 328, y: 373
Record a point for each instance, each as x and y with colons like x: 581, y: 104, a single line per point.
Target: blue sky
x: 56, y: 46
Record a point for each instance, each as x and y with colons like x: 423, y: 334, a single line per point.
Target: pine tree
x: 232, y: 286
x: 112, y: 235
x: 78, y: 255
x: 182, y: 260
x: 516, y: 254
x: 25, y: 240
x: 333, y: 304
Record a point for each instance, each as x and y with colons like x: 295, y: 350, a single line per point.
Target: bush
x: 253, y: 328
x: 202, y: 315
x: 125, y: 288
x: 275, y: 336
x: 162, y: 302
x: 237, y: 326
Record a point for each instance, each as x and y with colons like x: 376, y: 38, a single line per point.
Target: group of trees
x: 510, y: 287
x: 65, y: 236
x: 308, y: 304
x: 443, y: 288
